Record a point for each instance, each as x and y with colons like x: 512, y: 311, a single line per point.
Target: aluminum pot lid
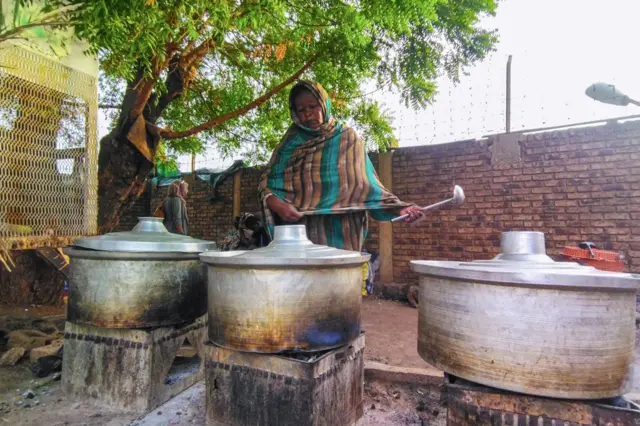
x: 149, y: 235
x: 290, y: 247
x: 523, y: 260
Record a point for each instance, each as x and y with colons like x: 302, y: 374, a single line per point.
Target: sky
x: 559, y: 48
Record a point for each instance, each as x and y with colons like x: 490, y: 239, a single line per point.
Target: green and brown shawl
x: 328, y: 176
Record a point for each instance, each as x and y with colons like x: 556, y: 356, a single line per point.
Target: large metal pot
x: 525, y: 323
x: 146, y: 277
x: 290, y: 296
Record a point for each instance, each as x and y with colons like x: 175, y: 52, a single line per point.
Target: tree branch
x: 242, y: 110
x: 200, y: 32
x: 243, y: 68
x: 175, y: 83
x: 12, y: 33
x: 109, y: 106
x: 143, y: 92
x: 144, y: 86
x: 197, y: 53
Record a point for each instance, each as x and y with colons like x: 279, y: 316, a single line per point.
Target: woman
x: 175, y: 208
x: 321, y: 176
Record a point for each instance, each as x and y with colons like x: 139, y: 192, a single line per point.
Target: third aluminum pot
x: 290, y: 296
x: 525, y: 323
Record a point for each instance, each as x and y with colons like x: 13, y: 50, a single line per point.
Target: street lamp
x: 608, y: 94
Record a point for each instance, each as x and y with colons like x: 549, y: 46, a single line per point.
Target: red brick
x: 579, y: 195
x: 565, y: 203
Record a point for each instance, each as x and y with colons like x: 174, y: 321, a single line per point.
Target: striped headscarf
x: 324, y: 171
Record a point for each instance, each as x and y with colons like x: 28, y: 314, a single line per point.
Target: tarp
x: 213, y: 177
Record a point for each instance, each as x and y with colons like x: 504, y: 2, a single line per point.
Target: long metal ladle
x: 456, y: 200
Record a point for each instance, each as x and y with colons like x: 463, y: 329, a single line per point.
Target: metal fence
x: 48, y: 151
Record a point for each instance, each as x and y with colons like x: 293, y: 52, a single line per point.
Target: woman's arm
x: 284, y: 210
x: 388, y: 211
x: 386, y: 215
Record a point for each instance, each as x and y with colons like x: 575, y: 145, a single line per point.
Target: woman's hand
x: 285, y: 211
x: 415, y: 213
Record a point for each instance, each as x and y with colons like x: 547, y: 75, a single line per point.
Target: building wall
x: 574, y: 185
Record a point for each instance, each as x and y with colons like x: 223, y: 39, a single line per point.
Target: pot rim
x: 80, y: 253
x: 523, y: 275
x: 232, y: 259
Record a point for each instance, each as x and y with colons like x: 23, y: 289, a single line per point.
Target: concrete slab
x: 389, y: 373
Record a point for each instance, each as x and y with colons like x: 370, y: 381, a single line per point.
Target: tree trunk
x: 122, y: 169
x: 122, y: 172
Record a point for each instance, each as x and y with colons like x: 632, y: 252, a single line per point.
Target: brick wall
x: 209, y: 219
x: 248, y: 190
x: 573, y: 185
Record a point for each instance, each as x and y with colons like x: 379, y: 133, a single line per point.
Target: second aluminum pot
x: 290, y: 296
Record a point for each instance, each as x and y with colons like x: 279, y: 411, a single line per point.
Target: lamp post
x: 608, y: 94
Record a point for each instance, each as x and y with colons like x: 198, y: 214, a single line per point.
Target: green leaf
x: 400, y: 45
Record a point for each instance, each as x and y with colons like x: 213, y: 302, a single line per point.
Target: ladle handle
x: 424, y: 209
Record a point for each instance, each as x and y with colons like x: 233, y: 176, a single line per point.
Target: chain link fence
x: 48, y: 151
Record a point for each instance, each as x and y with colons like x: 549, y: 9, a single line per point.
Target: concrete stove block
x: 272, y: 389
x: 135, y: 370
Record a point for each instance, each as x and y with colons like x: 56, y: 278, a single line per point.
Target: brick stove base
x: 257, y: 389
x: 131, y: 369
x: 472, y: 404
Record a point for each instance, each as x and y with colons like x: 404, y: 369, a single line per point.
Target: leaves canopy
x: 189, y: 61
x: 36, y: 25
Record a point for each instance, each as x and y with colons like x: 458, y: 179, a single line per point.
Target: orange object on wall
x: 599, y: 259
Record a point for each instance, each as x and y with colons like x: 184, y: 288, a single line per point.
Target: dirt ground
x: 391, y: 336
x: 391, y: 332
x: 385, y: 404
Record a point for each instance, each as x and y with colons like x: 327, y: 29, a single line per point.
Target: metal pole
x: 634, y: 102
x: 508, y: 112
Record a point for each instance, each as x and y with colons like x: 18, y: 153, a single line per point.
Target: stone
x: 52, y: 349
x: 46, y: 365
x: 392, y: 291
x: 46, y: 327
x: 29, y: 394
x: 56, y: 377
x: 29, y: 339
x: 12, y: 356
x: 186, y: 352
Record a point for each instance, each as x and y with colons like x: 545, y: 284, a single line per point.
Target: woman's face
x: 308, y: 110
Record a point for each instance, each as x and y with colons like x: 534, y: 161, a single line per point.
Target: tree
x: 29, y: 21
x: 193, y: 72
